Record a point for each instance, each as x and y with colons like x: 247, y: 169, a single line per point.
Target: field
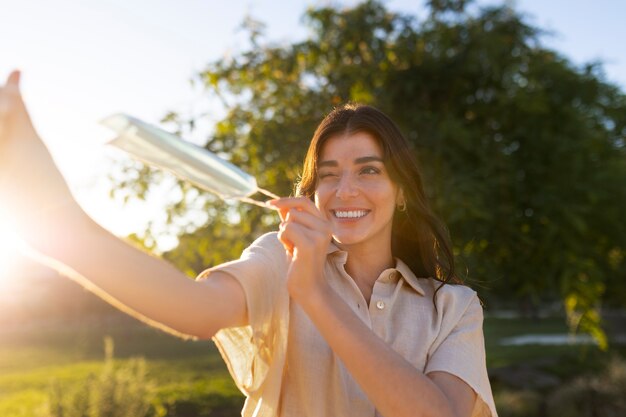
x: 188, y: 378
x: 186, y: 374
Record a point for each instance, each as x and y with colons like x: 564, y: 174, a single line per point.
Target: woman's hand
x: 32, y: 190
x: 306, y: 234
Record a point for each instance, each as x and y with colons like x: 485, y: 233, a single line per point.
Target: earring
x: 402, y: 207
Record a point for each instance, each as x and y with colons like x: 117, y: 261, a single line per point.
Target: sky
x: 84, y: 60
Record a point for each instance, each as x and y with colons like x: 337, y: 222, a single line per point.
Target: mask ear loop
x: 257, y: 202
x: 267, y: 193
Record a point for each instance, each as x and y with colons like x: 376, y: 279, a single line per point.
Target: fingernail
x: 14, y: 77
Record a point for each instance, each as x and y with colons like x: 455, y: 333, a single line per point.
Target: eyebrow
x: 358, y: 161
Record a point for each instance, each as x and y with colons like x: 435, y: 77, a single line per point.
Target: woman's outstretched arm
x: 48, y: 218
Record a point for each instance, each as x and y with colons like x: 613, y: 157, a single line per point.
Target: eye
x: 370, y: 170
x: 323, y: 175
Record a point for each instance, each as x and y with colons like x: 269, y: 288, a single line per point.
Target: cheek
x: 316, y: 200
x: 322, y: 193
x: 382, y: 191
x: 320, y: 201
x: 385, y: 199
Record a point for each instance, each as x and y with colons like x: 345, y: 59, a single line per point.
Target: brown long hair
x: 419, y: 238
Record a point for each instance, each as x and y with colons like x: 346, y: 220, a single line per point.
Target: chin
x: 347, y: 240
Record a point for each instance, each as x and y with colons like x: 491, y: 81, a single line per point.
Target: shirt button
x: 380, y: 305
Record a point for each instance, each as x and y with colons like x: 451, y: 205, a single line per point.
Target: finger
x: 286, y: 242
x: 8, y: 93
x: 282, y: 213
x: 294, y: 235
x: 307, y: 220
x: 281, y: 208
x: 13, y: 80
x: 12, y: 86
x: 300, y: 203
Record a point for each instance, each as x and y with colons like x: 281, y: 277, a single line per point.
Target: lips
x: 350, y: 213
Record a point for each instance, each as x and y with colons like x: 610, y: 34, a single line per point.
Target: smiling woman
x: 417, y: 348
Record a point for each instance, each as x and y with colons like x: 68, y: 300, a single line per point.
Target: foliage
x: 115, y: 392
x: 523, y: 152
x: 517, y: 403
x: 601, y: 395
x: 191, y: 379
x: 184, y: 378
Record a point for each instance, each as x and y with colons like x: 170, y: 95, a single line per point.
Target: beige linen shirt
x: 285, y: 367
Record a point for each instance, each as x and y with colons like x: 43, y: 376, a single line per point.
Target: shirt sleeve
x: 250, y: 351
x: 460, y: 350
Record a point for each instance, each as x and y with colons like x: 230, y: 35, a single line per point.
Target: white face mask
x: 189, y: 162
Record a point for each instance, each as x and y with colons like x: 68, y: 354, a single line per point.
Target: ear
x: 400, y: 200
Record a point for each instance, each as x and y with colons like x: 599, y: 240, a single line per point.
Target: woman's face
x: 354, y: 190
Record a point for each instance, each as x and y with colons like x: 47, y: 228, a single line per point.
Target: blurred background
x: 516, y: 111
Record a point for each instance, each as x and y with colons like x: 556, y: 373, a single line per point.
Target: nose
x: 346, y: 187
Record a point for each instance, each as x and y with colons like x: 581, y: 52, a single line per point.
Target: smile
x: 350, y: 214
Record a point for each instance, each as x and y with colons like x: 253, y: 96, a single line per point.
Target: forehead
x: 348, y: 147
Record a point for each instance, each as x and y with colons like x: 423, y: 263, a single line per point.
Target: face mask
x: 189, y: 162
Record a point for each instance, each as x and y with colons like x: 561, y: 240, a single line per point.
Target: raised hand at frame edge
x: 32, y: 190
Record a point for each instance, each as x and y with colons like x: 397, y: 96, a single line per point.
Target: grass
x: 191, y: 376
x: 571, y: 359
x: 31, y: 359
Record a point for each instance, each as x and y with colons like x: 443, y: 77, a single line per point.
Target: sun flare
x: 9, y: 249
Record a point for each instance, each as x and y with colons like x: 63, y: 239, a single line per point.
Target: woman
x: 324, y: 318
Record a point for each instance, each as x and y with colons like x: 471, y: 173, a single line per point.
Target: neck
x: 365, y: 264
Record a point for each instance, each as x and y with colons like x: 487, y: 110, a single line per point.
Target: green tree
x: 523, y: 152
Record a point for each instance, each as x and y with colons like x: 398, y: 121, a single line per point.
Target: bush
x: 117, y: 391
x: 602, y: 395
x: 517, y: 403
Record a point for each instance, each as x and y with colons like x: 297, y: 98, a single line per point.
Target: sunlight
x: 9, y: 249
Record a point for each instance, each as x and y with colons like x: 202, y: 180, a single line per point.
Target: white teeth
x: 350, y: 214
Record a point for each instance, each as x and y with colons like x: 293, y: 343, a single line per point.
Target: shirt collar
x: 409, y: 277
x: 401, y: 267
x: 332, y: 248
